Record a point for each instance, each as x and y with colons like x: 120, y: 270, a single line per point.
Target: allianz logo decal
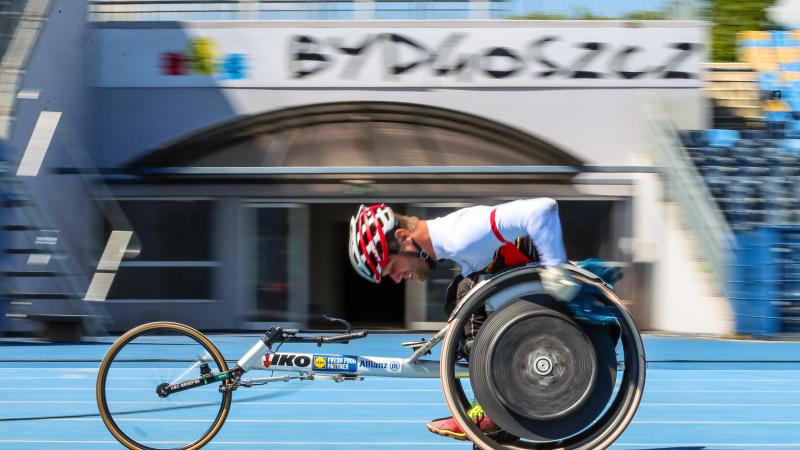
x: 393, y: 366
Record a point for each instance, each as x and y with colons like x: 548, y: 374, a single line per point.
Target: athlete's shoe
x: 448, y: 426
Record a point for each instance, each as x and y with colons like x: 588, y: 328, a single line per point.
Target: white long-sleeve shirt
x: 466, y: 236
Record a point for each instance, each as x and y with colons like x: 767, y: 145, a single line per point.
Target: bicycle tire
x: 151, y: 328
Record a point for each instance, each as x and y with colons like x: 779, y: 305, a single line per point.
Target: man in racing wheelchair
x: 480, y: 239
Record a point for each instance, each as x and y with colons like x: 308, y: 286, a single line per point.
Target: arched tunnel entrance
x: 280, y: 238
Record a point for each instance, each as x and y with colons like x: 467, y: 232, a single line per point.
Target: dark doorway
x: 336, y: 289
x: 369, y: 304
x: 587, y: 227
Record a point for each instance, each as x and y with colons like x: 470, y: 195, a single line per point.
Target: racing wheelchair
x: 557, y: 374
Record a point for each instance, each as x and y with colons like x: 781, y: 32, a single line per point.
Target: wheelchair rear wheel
x: 554, y: 381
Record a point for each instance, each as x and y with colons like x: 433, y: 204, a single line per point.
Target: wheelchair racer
x: 480, y: 239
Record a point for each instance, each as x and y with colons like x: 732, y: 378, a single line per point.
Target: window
x: 176, y: 261
x: 272, y: 264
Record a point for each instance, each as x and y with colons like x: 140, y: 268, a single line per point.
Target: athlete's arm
x: 538, y: 219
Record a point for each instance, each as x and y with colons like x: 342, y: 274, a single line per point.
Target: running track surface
x: 700, y: 394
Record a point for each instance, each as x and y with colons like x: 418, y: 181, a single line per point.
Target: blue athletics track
x: 700, y: 394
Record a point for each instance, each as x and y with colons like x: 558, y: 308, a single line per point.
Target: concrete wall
x: 150, y: 90
x: 685, y: 300
x: 683, y: 296
x: 599, y: 126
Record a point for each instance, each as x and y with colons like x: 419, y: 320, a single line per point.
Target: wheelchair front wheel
x: 130, y: 395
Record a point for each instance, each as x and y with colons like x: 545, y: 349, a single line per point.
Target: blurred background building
x: 198, y: 161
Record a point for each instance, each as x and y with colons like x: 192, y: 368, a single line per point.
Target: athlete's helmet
x: 371, y: 236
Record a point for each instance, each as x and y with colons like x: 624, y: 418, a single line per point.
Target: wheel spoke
x: 555, y: 381
x: 159, y: 353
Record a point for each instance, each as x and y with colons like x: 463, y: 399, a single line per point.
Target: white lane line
x: 378, y: 443
x: 727, y: 405
x: 756, y: 369
x: 722, y: 391
x: 717, y: 422
x: 98, y: 419
x: 151, y: 368
x: 635, y: 422
x: 38, y: 144
x: 725, y: 380
x: 649, y: 370
x: 259, y: 443
x: 683, y: 382
x: 702, y: 444
x: 299, y: 389
x: 242, y: 401
x: 259, y: 389
x: 398, y: 390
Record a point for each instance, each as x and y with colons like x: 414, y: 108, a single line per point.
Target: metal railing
x: 285, y: 171
x: 685, y: 186
x: 180, y: 10
x: 10, y: 14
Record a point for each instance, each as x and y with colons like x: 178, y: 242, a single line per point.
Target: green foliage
x: 585, y: 14
x: 645, y: 15
x: 728, y: 17
x: 732, y: 16
x: 540, y: 16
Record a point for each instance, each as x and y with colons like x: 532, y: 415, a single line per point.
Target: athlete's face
x: 406, y: 267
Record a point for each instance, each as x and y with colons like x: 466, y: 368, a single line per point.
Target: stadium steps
x: 735, y: 94
x: 36, y: 279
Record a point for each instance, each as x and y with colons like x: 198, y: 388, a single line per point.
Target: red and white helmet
x: 370, y: 239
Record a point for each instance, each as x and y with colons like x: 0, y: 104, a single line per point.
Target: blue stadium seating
x: 778, y: 116
x: 721, y: 138
x: 769, y: 81
x: 754, y: 177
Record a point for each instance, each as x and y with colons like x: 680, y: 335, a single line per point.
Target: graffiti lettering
x: 498, y: 53
x: 401, y: 55
x: 684, y: 50
x: 618, y: 63
x: 358, y: 55
x: 441, y: 64
x: 202, y: 57
x: 307, y: 58
x: 536, y: 52
x: 594, y: 49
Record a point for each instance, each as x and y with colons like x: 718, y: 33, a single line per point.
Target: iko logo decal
x: 335, y: 363
x: 286, y: 360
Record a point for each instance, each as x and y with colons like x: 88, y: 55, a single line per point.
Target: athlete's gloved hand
x: 579, y: 297
x: 559, y: 282
x: 609, y: 274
